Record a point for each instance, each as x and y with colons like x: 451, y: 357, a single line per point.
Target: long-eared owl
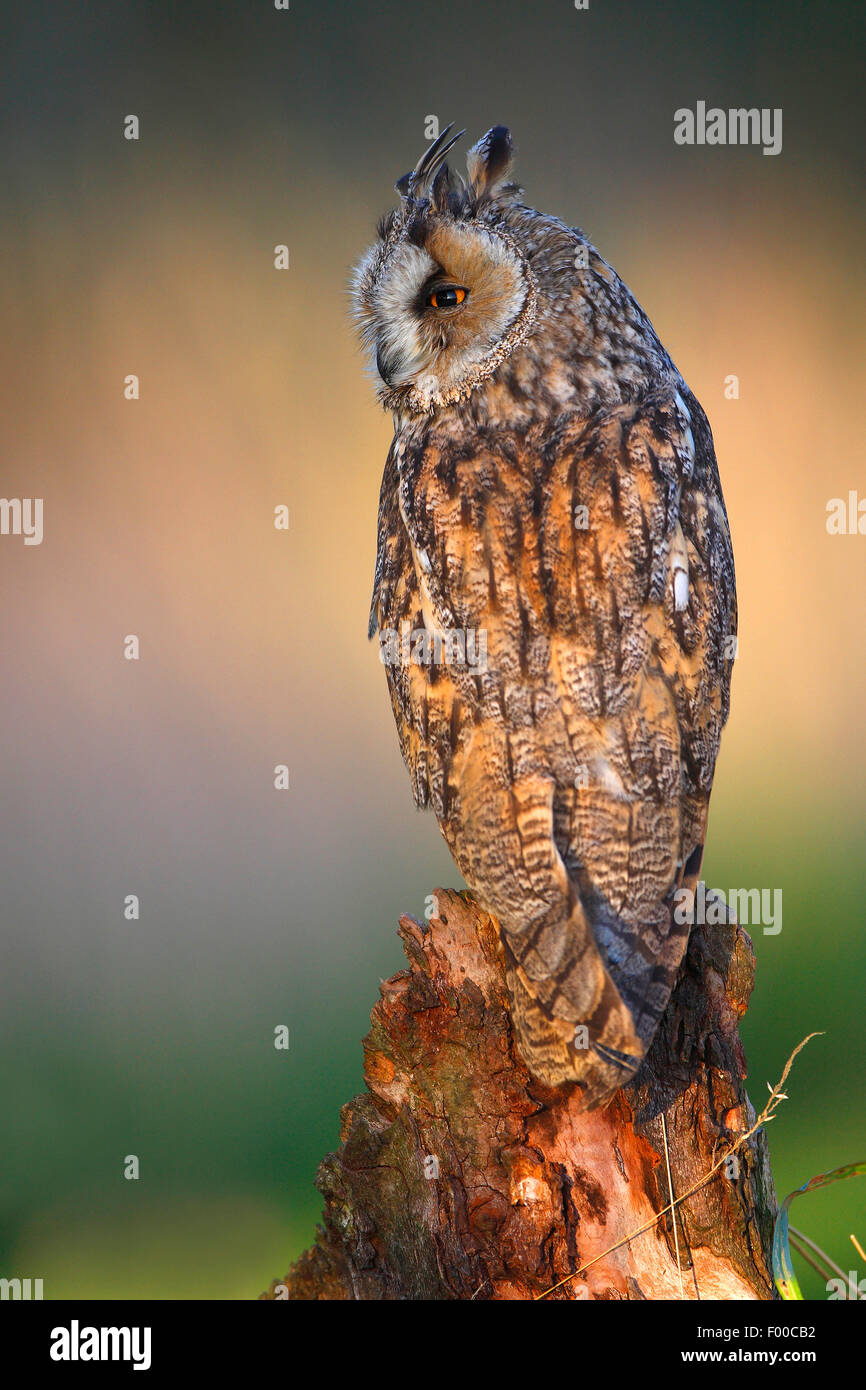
x: 554, y: 599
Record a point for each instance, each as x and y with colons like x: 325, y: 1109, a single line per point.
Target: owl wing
x: 395, y: 607
x: 571, y: 772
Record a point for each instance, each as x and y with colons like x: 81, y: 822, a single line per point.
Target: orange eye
x: 446, y: 297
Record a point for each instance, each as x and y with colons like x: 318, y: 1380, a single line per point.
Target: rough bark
x: 459, y: 1177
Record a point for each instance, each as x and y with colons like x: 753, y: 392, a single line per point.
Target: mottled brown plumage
x: 554, y: 596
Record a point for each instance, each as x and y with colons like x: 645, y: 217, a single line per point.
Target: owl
x: 554, y: 599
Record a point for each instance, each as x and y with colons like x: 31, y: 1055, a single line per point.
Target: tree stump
x: 460, y: 1177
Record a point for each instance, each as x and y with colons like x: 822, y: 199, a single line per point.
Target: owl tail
x: 571, y: 1021
x: 596, y: 1045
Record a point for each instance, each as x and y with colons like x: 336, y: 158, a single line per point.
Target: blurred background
x: 262, y: 908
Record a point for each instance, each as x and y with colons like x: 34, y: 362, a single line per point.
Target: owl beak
x: 383, y: 367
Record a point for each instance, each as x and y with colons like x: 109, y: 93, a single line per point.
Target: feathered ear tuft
x: 414, y: 185
x: 448, y: 191
x: 489, y: 162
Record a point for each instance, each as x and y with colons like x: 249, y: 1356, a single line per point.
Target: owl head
x: 446, y: 294
x: 469, y: 295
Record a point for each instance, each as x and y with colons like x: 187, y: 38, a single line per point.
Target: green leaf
x: 783, y: 1268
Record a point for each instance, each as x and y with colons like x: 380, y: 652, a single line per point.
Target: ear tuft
x: 489, y: 162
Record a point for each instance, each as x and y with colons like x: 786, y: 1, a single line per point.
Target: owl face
x: 466, y: 281
x: 446, y: 295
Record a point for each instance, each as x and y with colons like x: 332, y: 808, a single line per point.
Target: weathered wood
x: 459, y: 1177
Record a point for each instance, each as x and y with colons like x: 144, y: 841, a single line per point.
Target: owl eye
x: 446, y: 296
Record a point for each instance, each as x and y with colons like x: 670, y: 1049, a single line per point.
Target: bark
x: 460, y: 1177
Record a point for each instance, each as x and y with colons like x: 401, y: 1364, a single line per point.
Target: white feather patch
x: 679, y: 568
